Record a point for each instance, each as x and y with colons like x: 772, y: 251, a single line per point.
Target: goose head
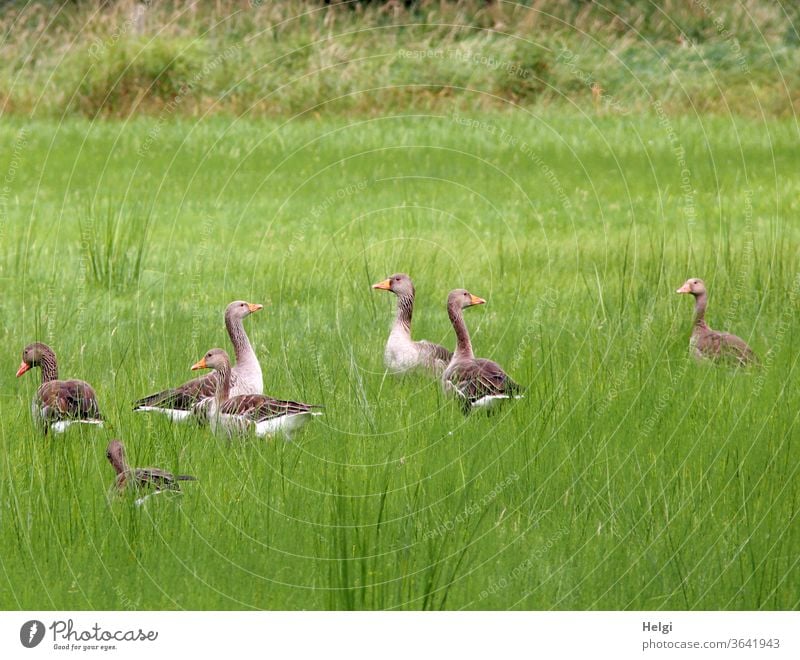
x: 115, y: 453
x: 239, y: 309
x: 694, y: 286
x: 400, y: 284
x: 215, y: 359
x: 32, y: 356
x: 461, y: 298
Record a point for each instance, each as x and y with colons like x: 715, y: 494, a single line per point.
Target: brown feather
x: 259, y: 408
x: 722, y: 346
x: 477, y: 378
x: 68, y: 399
x: 140, y: 477
x: 186, y: 396
x: 711, y: 344
x: 160, y: 479
x: 435, y: 353
x: 183, y: 397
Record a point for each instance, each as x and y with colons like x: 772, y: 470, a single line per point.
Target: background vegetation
x: 288, y: 57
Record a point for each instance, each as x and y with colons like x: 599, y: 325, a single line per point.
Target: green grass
x: 628, y: 478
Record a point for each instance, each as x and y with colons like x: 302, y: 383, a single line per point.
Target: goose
x: 402, y: 354
x: 179, y: 403
x: 140, y: 477
x: 479, y: 382
x: 709, y: 344
x: 238, y: 414
x: 58, y: 404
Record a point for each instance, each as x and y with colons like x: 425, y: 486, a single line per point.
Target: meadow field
x: 629, y: 477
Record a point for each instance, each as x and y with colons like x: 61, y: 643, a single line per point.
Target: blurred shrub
x: 308, y: 56
x: 117, y: 77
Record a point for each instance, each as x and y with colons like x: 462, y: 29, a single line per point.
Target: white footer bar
x: 401, y: 635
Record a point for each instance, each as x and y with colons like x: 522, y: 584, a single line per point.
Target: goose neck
x: 241, y: 343
x: 222, y: 390
x: 700, y: 310
x: 49, y: 366
x: 119, y: 464
x: 463, y: 343
x: 405, y: 309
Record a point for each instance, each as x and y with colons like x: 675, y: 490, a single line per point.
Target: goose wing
x: 434, y: 352
x: 161, y: 479
x: 68, y: 399
x: 725, y: 346
x: 259, y: 408
x: 474, y: 379
x: 183, y: 397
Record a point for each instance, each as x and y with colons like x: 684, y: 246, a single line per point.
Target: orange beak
x: 201, y: 364
x: 474, y: 300
x: 23, y: 368
x: 685, y: 289
x: 386, y: 285
x: 254, y: 307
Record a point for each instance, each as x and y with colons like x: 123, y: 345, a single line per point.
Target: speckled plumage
x: 150, y: 477
x: 402, y: 353
x: 179, y: 403
x: 58, y: 404
x: 258, y: 413
x: 480, y: 383
x: 708, y: 344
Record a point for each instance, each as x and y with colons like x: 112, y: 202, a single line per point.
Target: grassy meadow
x: 630, y: 477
